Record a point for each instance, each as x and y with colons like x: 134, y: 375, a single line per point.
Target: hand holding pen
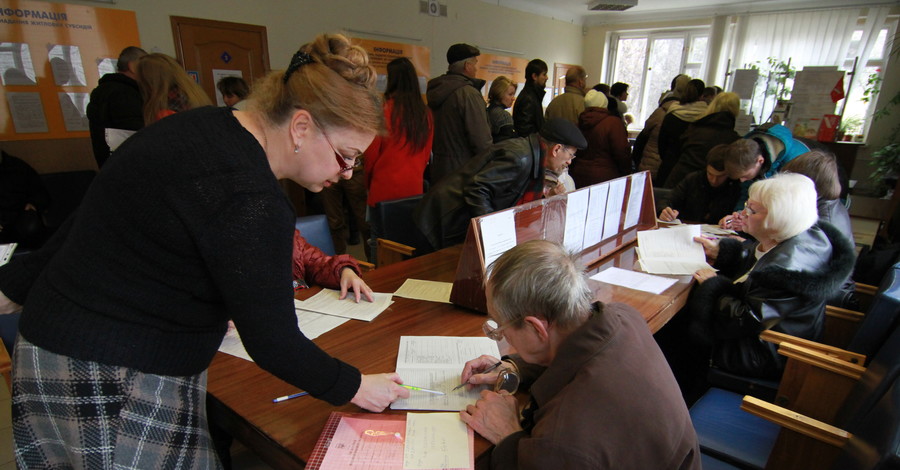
x: 481, y: 370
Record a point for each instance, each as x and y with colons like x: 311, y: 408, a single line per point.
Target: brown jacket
x: 608, y: 400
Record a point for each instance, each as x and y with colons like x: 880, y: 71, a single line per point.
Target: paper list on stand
x: 328, y: 301
x: 311, y: 324
x: 576, y: 213
x: 635, y: 199
x: 437, y: 440
x: 593, y: 227
x: 634, y: 280
x: 431, y: 291
x: 671, y: 250
x: 498, y: 234
x: 436, y: 362
x: 614, y: 207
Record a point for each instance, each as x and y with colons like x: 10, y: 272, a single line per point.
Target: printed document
x: 634, y: 280
x: 437, y: 440
x: 436, y: 362
x: 635, y: 200
x: 671, y: 250
x: 498, y: 234
x: 6, y: 252
x: 327, y: 301
x: 431, y: 291
x: 311, y: 324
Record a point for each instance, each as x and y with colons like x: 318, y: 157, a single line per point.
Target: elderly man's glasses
x: 492, y: 330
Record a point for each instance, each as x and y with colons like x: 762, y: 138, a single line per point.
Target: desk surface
x: 284, y: 434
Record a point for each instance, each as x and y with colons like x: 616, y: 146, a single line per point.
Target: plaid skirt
x: 74, y: 414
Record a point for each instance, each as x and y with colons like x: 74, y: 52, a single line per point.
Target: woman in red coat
x: 607, y: 155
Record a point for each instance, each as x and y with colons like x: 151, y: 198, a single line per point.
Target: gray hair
x: 790, y: 199
x: 459, y: 66
x: 128, y: 55
x: 539, y: 278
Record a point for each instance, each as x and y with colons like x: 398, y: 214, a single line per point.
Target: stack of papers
x: 634, y: 280
x: 328, y: 301
x: 671, y: 250
x: 436, y: 362
x: 431, y: 291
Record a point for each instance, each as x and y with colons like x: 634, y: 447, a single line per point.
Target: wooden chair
x: 390, y: 252
x: 400, y: 238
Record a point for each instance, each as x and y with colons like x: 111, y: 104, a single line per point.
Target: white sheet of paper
x: 327, y: 301
x: 635, y: 200
x: 431, y: 291
x: 498, y: 234
x: 6, y: 252
x: 27, y: 112
x: 593, y: 227
x: 671, y: 250
x: 634, y: 280
x: 436, y: 440
x: 16, y: 67
x: 576, y: 215
x: 435, y: 362
x: 614, y: 207
x: 715, y: 230
x: 311, y: 324
x: 65, y: 62
x: 74, y: 110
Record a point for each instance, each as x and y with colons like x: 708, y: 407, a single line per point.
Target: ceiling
x: 576, y: 11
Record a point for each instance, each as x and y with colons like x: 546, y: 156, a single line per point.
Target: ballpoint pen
x: 288, y: 397
x: 420, y: 389
x: 482, y: 372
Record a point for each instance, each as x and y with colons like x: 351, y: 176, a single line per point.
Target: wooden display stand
x: 545, y: 219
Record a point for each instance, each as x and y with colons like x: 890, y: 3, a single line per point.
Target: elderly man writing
x: 602, y: 395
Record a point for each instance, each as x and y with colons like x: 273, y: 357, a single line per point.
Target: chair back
x: 882, y: 372
x: 882, y: 317
x: 875, y: 440
x: 314, y: 228
x: 395, y: 218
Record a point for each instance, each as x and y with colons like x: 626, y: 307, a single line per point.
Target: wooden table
x: 284, y: 434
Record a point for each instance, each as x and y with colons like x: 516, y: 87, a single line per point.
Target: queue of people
x: 108, y: 323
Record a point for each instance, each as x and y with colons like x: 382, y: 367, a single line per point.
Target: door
x: 213, y: 49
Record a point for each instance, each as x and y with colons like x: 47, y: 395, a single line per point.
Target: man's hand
x: 668, y: 214
x: 494, y: 416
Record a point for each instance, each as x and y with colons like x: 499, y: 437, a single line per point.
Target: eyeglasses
x: 748, y: 211
x: 492, y: 330
x: 346, y: 164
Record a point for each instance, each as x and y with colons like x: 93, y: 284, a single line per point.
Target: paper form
x: 365, y: 443
x: 327, y: 301
x: 498, y: 234
x: 6, y: 252
x: 634, y: 280
x: 593, y: 227
x: 436, y: 362
x: 437, y: 440
x: 614, y: 207
x: 716, y: 230
x: 576, y: 214
x: 635, y: 199
x: 431, y: 291
x: 671, y: 250
x: 311, y: 324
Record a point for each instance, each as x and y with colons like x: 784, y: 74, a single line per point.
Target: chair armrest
x: 844, y: 314
x: 866, y: 289
x: 390, y: 252
x: 815, y: 384
x: 796, y: 422
x: 779, y: 338
x: 365, y: 266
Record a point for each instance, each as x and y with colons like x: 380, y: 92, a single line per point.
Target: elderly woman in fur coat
x: 780, y: 281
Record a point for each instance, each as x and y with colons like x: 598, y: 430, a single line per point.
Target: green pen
x: 420, y: 389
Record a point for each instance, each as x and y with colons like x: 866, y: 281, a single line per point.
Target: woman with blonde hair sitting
x: 167, y: 89
x: 715, y: 126
x: 780, y: 281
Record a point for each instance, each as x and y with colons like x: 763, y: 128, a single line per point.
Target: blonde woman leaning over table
x: 125, y: 308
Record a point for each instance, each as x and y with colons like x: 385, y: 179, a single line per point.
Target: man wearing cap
x: 510, y: 172
x: 461, y: 128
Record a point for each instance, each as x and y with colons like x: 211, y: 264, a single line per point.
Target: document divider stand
x: 546, y: 219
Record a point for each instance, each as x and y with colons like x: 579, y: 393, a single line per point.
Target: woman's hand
x: 668, y: 214
x: 350, y: 280
x: 8, y: 306
x: 377, y: 391
x: 734, y: 222
x: 494, y: 416
x: 703, y: 275
x: 471, y: 371
x: 710, y: 247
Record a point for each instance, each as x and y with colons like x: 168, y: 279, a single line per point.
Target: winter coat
x: 649, y: 138
x: 676, y: 122
x: 528, y: 110
x: 461, y: 128
x: 697, y: 201
x: 700, y: 136
x: 116, y: 103
x: 568, y: 105
x: 607, y: 155
x: 393, y: 168
x: 785, y: 291
x: 591, y: 410
x: 835, y: 213
x: 766, y: 136
x: 501, y: 123
x: 489, y: 182
x: 312, y: 266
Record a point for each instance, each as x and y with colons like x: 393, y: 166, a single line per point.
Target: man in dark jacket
x: 116, y: 103
x: 511, y: 172
x: 461, y: 128
x: 528, y: 111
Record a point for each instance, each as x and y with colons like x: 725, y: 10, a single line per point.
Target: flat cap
x: 560, y: 131
x: 461, y: 51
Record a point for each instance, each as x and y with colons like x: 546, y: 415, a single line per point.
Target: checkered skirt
x: 74, y: 414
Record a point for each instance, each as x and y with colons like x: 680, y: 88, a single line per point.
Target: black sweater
x: 186, y: 228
